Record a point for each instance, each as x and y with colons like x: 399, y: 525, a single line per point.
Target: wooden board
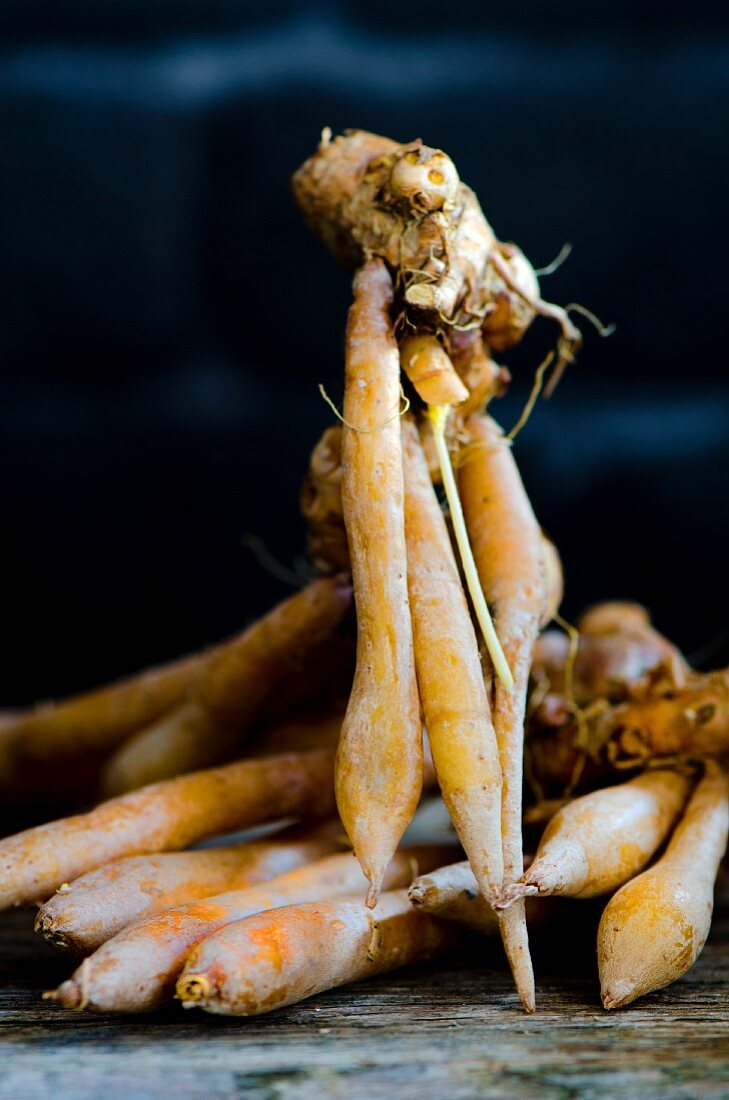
x: 450, y: 1030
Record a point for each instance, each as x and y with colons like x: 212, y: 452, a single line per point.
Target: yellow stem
x: 438, y: 414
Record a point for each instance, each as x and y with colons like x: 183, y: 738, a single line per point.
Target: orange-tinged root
x: 654, y: 928
x: 428, y: 366
x: 508, y: 550
x: 380, y: 757
x: 450, y: 677
x: 278, y: 958
x: 600, y: 841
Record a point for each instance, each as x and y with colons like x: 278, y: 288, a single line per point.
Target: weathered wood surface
x: 446, y: 1031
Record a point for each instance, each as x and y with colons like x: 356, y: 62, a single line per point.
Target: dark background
x: 165, y: 315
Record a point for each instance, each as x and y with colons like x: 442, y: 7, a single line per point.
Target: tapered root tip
x: 516, y: 892
x: 68, y: 994
x: 193, y: 989
x: 375, y: 876
x: 618, y: 997
x: 516, y: 943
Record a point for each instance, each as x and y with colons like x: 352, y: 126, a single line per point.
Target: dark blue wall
x: 165, y: 317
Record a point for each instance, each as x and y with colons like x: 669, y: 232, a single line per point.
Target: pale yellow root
x: 598, y: 842
x: 278, y: 958
x: 136, y: 970
x: 450, y: 677
x: 98, y: 905
x: 427, y: 365
x: 654, y: 928
x: 166, y: 816
x: 508, y: 550
x: 380, y: 758
x: 452, y: 893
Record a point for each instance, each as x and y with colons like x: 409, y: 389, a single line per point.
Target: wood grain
x: 450, y: 1030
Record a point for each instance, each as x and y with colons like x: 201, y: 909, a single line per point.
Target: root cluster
x: 416, y: 667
